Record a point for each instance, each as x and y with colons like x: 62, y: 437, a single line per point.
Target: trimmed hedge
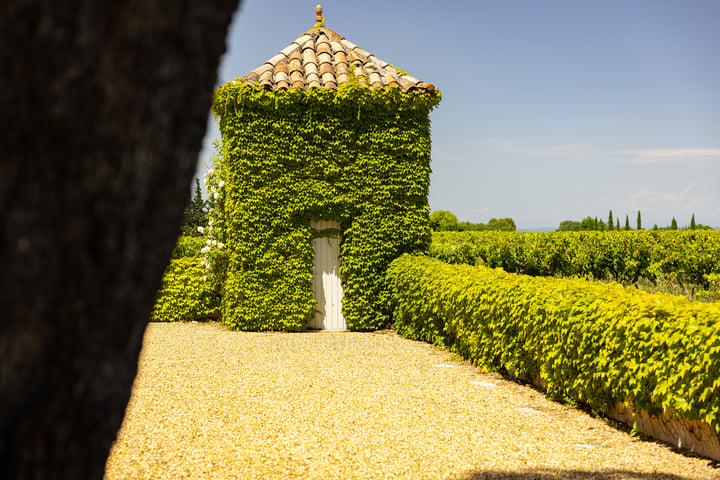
x: 687, y: 256
x: 186, y: 293
x: 590, y: 342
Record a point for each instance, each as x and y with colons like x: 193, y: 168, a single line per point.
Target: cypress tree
x: 627, y: 222
x: 639, y: 222
x: 692, y: 222
x: 610, y: 221
x: 673, y: 224
x: 194, y: 212
x: 617, y: 224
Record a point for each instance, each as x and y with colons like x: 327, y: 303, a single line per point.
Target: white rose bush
x: 214, y: 255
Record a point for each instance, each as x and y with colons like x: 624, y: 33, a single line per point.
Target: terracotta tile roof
x: 322, y: 58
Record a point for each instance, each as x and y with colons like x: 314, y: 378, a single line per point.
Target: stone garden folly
x: 325, y: 156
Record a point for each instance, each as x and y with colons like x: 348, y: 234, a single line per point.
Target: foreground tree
x: 104, y: 107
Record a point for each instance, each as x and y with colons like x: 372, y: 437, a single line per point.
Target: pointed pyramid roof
x: 321, y: 58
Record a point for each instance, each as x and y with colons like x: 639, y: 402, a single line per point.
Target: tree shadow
x: 559, y: 474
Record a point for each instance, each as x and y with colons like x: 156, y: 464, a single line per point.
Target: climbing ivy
x: 356, y: 155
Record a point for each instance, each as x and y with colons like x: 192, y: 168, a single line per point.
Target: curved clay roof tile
x: 281, y: 67
x: 323, y: 47
x: 322, y: 58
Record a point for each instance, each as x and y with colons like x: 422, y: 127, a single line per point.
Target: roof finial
x: 318, y: 11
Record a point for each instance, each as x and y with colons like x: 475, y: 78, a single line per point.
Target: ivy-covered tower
x: 325, y: 152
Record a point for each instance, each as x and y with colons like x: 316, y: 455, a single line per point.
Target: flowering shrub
x: 213, y: 251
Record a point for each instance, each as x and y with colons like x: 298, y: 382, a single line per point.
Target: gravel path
x: 214, y: 404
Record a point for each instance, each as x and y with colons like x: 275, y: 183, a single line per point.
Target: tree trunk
x: 103, y: 108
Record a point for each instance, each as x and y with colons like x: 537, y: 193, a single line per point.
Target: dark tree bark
x: 103, y: 107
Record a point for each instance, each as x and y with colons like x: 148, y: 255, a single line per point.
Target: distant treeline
x: 593, y: 224
x: 445, y: 221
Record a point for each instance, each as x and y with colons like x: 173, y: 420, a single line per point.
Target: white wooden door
x: 327, y: 287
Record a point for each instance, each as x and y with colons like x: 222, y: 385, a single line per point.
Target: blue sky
x: 551, y: 110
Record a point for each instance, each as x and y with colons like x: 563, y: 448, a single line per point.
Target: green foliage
x: 638, y: 221
x: 501, y: 225
x: 712, y: 293
x: 444, y: 221
x: 569, y: 226
x: 186, y: 292
x: 592, y: 342
x: 692, y: 222
x: 586, y: 224
x: 188, y: 246
x: 357, y: 155
x: 673, y: 224
x: 195, y: 213
x: 610, y: 223
x: 441, y: 220
x: 685, y: 256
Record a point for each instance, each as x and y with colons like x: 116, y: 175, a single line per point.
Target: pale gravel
x: 213, y: 404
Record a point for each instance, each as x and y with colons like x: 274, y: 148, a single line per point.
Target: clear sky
x: 551, y: 110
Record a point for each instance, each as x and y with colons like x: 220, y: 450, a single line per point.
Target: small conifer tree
x: 610, y: 221
x: 692, y: 222
x: 639, y: 221
x: 673, y: 224
x: 195, y: 212
x: 617, y: 224
x: 627, y: 222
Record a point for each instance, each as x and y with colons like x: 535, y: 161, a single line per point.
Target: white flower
x: 216, y: 195
x: 204, y: 249
x: 200, y: 229
x: 215, y: 243
x: 208, y: 242
x: 221, y: 184
x: 204, y: 278
x: 221, y: 245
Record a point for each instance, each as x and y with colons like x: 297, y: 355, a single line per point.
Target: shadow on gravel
x: 553, y: 474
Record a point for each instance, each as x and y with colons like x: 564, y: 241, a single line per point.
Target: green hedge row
x: 186, y: 292
x: 590, y: 342
x: 687, y: 256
